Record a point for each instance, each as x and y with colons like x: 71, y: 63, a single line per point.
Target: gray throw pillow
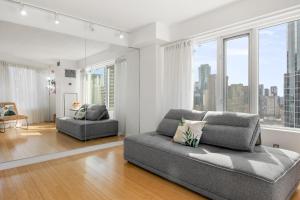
x: 239, y: 131
x: 168, y: 127
x: 169, y: 123
x: 104, y: 115
x: 94, y: 111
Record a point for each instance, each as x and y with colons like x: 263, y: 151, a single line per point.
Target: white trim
x: 58, y: 155
x: 254, y: 69
x: 223, y: 61
x: 252, y: 26
x: 220, y: 73
x: 263, y: 21
x: 281, y: 129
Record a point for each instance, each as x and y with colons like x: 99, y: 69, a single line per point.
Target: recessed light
x: 23, y: 11
x: 56, y: 19
x: 121, y: 35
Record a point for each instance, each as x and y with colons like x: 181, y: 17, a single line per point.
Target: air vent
x: 70, y: 73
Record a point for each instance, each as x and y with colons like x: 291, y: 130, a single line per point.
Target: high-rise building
x: 204, y: 89
x: 261, y: 90
x: 237, y: 98
x: 110, y: 86
x: 261, y: 97
x: 274, y: 91
x: 101, y: 86
x: 292, y: 77
x: 209, y: 96
x: 97, y: 89
x: 204, y: 72
x: 267, y: 92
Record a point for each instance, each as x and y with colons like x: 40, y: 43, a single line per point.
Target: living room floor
x: 40, y: 139
x: 99, y: 175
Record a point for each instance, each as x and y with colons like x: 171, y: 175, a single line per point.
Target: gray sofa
x: 95, y: 125
x: 216, y: 169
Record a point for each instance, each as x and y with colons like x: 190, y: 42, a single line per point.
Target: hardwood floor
x: 39, y: 139
x: 102, y: 175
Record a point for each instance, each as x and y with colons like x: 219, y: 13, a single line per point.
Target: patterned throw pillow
x: 80, y: 114
x: 189, y: 132
x: 9, y: 110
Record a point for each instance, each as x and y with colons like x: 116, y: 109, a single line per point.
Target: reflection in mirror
x: 100, y: 94
x: 60, y: 92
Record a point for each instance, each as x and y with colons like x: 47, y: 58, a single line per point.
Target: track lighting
x: 56, y: 19
x: 121, y: 35
x: 93, y: 26
x: 23, y: 11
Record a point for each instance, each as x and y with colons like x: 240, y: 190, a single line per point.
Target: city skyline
x: 271, y: 59
x: 274, y: 63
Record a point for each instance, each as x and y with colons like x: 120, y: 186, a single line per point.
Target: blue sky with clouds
x: 272, y: 57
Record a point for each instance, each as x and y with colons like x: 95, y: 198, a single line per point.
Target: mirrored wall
x: 61, y: 92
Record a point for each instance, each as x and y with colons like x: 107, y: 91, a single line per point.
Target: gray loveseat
x: 95, y: 125
x: 217, y: 169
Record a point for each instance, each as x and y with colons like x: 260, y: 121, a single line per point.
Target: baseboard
x: 53, y: 156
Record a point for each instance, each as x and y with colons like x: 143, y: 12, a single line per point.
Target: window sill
x: 282, y: 129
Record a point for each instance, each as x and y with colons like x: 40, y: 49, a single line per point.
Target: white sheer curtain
x: 121, y: 93
x: 177, y: 77
x: 85, y: 87
x: 27, y: 87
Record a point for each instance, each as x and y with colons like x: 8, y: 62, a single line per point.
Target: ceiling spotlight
x: 91, y: 27
x: 23, y: 12
x: 121, y: 35
x: 56, y: 19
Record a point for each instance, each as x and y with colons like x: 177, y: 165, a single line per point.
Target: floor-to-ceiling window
x: 279, y: 75
x: 100, y: 86
x: 204, y: 75
x: 236, y: 65
x: 258, y: 72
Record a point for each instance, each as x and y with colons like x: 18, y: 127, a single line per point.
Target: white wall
x: 286, y: 139
x: 149, y: 58
x: 62, y: 87
x: 133, y: 93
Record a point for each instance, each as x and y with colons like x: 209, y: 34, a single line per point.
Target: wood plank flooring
x: 39, y: 139
x: 102, y: 175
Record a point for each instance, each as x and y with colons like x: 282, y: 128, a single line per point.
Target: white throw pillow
x: 189, y: 132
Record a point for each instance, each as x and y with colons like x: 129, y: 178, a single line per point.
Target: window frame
x: 104, y: 65
x: 227, y: 38
x: 253, y: 72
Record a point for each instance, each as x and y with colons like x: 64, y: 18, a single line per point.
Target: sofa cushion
x: 178, y: 114
x: 169, y: 123
x: 266, y: 173
x: 238, y: 131
x: 85, y: 129
x: 94, y: 111
x: 168, y: 127
x: 104, y: 115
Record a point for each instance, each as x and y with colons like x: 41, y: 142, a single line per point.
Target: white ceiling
x: 131, y: 14
x: 40, y: 46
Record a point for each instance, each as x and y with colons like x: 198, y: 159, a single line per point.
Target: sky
x: 272, y: 57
